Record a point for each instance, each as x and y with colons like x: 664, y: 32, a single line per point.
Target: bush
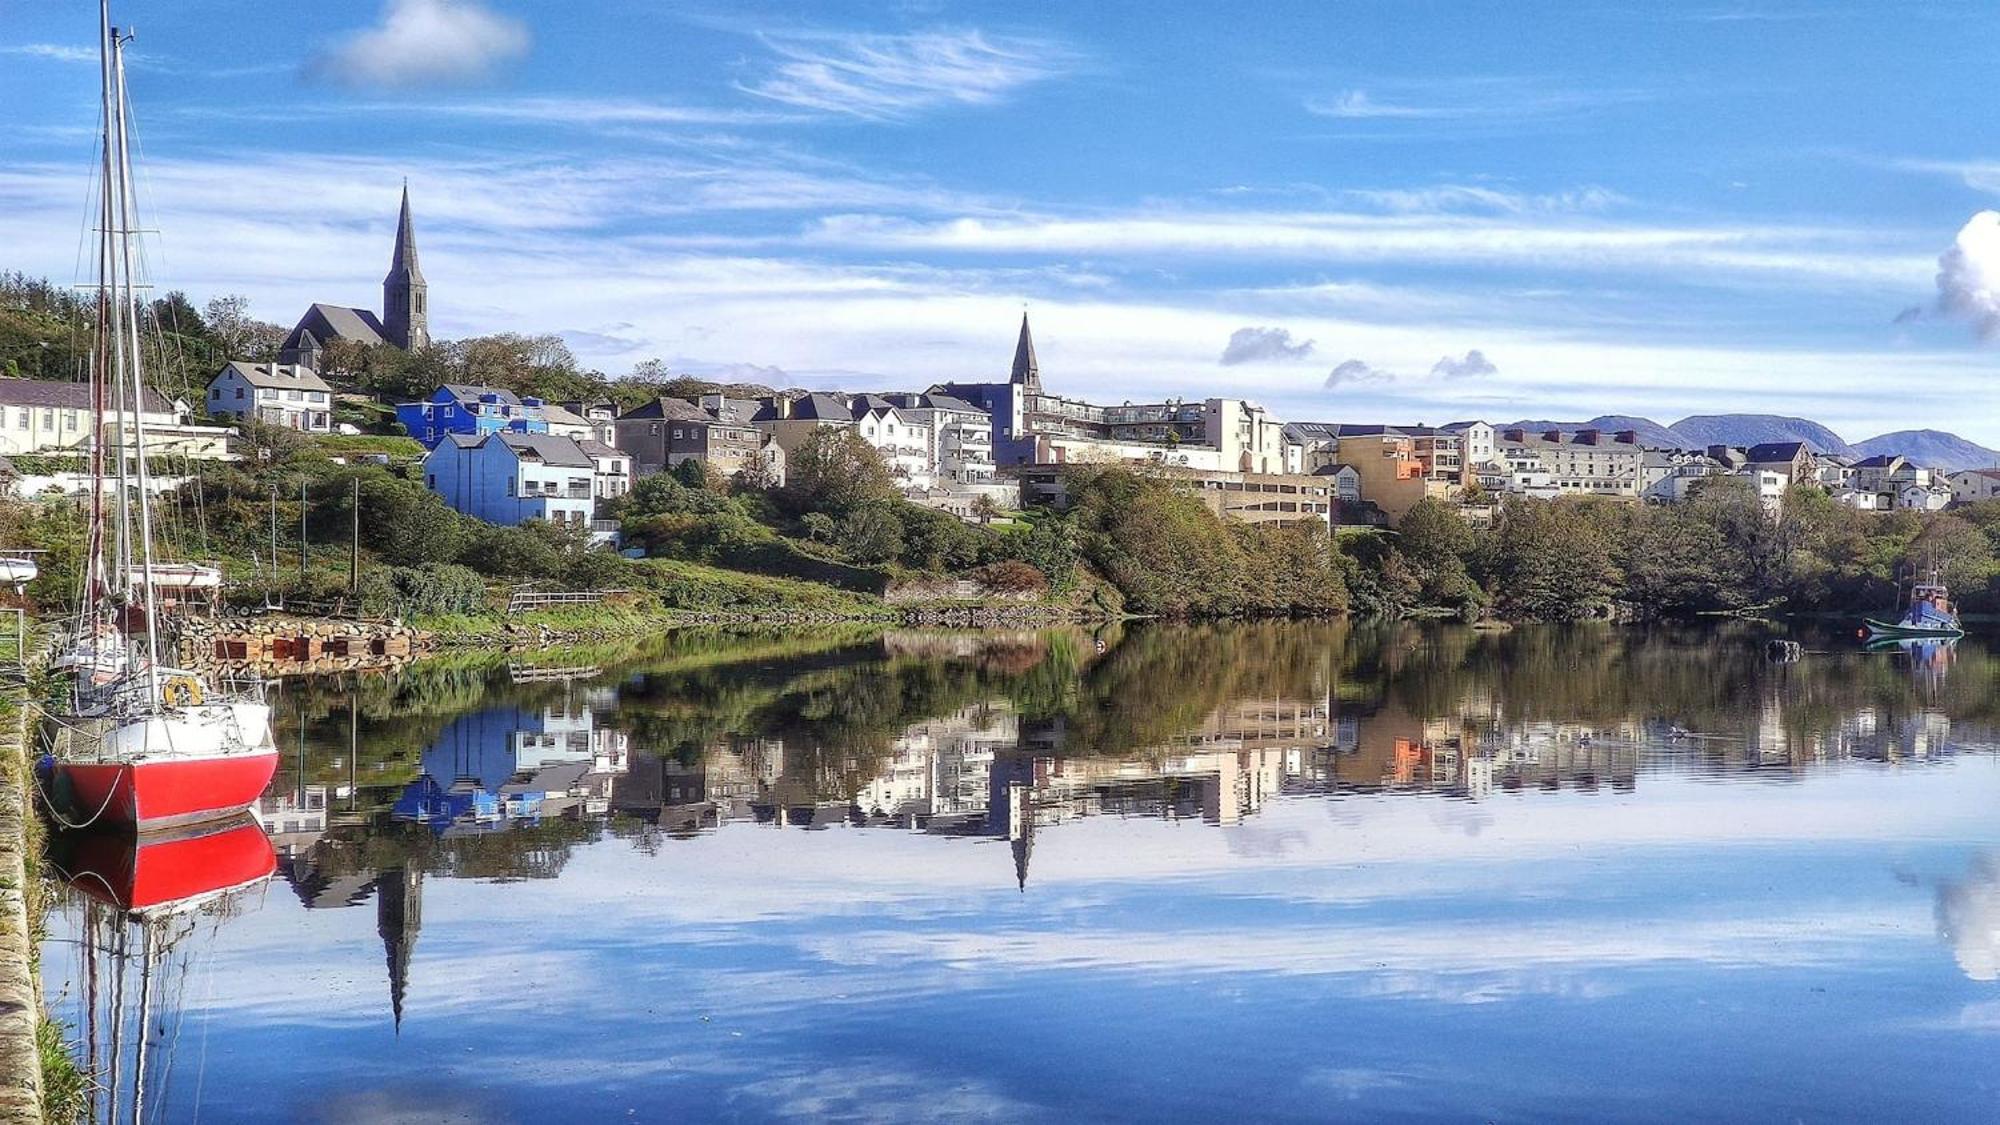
x: 436, y: 588
x: 1010, y: 576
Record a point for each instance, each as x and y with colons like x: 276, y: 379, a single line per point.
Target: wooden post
x: 354, y: 545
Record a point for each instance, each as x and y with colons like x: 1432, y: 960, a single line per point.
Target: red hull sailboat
x: 142, y: 744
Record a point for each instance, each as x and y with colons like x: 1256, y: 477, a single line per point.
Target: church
x: 405, y: 319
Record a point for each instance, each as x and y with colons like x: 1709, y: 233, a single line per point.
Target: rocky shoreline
x: 531, y: 634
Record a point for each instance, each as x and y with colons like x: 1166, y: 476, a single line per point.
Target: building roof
x: 358, y: 325
x: 597, y: 448
x: 561, y: 417
x: 550, y: 449
x: 1774, y: 452
x: 1990, y: 474
x: 820, y: 407
x: 473, y: 392
x: 671, y: 409
x: 1879, y: 461
x: 283, y: 376
x: 1025, y: 369
x: 59, y: 394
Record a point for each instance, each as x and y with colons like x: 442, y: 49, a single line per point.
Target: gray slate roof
x: 276, y: 376
x: 359, y: 325
x: 58, y: 394
x: 470, y: 392
x: 551, y: 449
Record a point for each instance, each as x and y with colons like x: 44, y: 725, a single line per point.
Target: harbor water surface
x: 1257, y: 871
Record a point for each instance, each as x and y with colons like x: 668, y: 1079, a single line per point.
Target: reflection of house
x: 507, y: 763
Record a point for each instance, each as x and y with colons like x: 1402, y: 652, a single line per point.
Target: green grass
x: 65, y: 1086
x: 336, y: 445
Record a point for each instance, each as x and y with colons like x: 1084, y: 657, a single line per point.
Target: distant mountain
x: 1652, y: 435
x: 1934, y: 449
x: 1753, y: 429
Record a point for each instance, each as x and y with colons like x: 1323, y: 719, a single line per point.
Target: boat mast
x: 111, y: 355
x: 137, y: 388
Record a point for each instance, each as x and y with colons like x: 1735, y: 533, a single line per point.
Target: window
x: 48, y: 419
x: 510, y: 486
x: 214, y: 393
x: 69, y: 420
x: 292, y: 395
x: 677, y: 433
x: 239, y: 394
x: 431, y: 481
x: 22, y: 421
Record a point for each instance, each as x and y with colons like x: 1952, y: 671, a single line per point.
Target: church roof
x: 344, y: 323
x: 1026, y: 370
x: 405, y: 260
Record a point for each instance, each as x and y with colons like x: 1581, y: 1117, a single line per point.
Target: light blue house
x: 509, y: 477
x: 465, y: 408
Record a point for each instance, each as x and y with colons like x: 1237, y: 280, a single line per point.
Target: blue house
x: 508, y: 477
x: 464, y: 408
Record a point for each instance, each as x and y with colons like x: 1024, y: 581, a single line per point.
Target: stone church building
x: 405, y: 319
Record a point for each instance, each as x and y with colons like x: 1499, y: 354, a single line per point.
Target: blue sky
x: 1622, y: 208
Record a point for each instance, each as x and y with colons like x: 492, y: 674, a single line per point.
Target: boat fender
x: 181, y: 691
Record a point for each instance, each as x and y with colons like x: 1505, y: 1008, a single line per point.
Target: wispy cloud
x: 584, y: 111
x: 1474, y: 197
x: 423, y: 43
x: 887, y: 77
x: 58, y: 52
x: 1482, y: 102
x: 1249, y: 345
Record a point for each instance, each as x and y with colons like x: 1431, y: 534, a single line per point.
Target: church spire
x: 1027, y: 372
x: 405, y: 297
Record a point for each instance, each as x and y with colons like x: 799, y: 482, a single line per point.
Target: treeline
x: 1719, y: 551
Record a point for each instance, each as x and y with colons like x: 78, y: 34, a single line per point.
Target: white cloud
x: 1483, y: 102
x: 885, y: 77
x: 424, y: 42
x: 1968, y: 278
x: 57, y: 52
x: 1472, y: 364
x: 1248, y: 345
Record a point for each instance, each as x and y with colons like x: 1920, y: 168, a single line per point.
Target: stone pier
x: 273, y: 644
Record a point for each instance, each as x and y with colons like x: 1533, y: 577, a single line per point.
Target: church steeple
x: 1027, y: 373
x: 405, y: 297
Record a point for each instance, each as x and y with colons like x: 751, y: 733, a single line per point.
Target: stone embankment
x: 20, y: 1006
x: 285, y: 645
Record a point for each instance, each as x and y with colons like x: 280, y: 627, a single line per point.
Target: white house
x: 282, y: 394
x: 902, y: 440
x: 508, y: 478
x: 49, y: 416
x: 1969, y: 485
x: 1923, y: 497
x: 611, y: 469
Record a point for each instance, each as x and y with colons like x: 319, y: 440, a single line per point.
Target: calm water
x: 1257, y: 872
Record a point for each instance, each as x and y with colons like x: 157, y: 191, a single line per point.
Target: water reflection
x: 776, y: 824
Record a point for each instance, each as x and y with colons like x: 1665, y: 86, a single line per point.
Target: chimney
x: 1626, y: 437
x: 1515, y: 434
x: 711, y: 402
x: 1554, y: 436
x: 1718, y: 452
x: 1588, y: 437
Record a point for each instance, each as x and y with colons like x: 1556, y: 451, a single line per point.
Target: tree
x: 984, y: 509
x: 1435, y: 540
x: 692, y: 473
x: 240, y: 335
x: 871, y: 534
x: 836, y: 471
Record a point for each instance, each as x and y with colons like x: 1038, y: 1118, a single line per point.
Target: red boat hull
x: 134, y: 872
x: 163, y: 792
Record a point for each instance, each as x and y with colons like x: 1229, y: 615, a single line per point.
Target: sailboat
x: 140, y: 744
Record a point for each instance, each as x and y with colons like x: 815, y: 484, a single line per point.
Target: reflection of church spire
x: 399, y: 916
x: 1020, y: 831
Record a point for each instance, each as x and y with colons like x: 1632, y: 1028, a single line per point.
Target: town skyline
x: 868, y: 201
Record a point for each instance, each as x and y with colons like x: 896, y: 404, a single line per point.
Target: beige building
x: 1583, y: 463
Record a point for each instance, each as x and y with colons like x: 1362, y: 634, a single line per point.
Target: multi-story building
x: 1586, y: 462
x: 1274, y: 498
x: 1032, y: 427
x: 1391, y: 473
x: 904, y: 441
x: 717, y: 432
x: 508, y: 478
x: 280, y: 394
x: 471, y: 410
x: 961, y: 434
x: 1972, y: 485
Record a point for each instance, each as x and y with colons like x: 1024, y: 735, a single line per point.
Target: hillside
x: 1934, y: 448
x: 1751, y: 429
